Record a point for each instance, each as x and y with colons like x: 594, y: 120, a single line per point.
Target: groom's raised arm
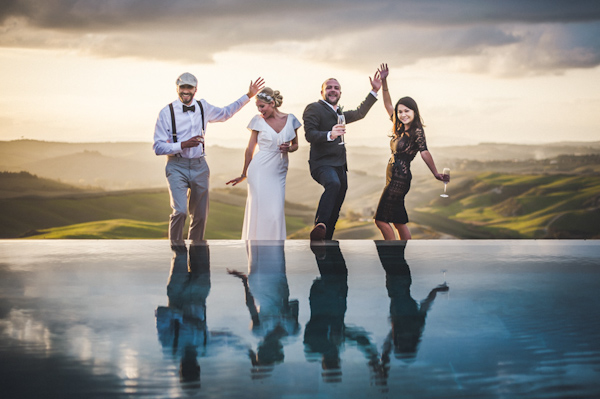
x: 362, y: 110
x: 365, y: 106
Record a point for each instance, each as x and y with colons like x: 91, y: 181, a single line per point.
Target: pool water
x: 348, y: 319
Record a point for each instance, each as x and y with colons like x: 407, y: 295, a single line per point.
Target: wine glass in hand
x: 446, y: 177
x: 284, y: 148
x: 342, y: 121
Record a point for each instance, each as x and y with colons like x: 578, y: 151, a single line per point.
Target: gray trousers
x: 188, y: 189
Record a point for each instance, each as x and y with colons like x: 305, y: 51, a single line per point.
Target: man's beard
x: 190, y: 95
x: 327, y: 100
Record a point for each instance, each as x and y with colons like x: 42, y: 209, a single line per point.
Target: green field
x: 26, y: 215
x: 140, y: 215
x: 493, y: 205
x: 47, y: 212
x: 482, y: 206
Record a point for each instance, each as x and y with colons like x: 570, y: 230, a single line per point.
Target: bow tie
x: 186, y: 108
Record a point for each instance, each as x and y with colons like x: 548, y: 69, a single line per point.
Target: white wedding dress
x: 264, y: 218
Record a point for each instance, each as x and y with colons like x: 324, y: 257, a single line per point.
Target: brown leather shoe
x: 318, y: 232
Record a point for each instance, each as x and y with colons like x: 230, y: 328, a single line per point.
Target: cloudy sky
x: 481, y: 70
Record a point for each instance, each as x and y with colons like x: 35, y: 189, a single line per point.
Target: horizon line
x: 356, y: 146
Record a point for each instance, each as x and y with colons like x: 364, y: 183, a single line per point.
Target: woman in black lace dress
x: 408, y: 138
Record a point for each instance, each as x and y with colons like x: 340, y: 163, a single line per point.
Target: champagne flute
x: 283, y: 144
x: 446, y: 177
x: 342, y: 121
x: 279, y: 143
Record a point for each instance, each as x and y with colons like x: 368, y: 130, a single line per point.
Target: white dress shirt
x: 335, y: 107
x: 189, y: 124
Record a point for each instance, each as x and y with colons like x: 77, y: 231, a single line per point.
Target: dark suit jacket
x: 319, y: 119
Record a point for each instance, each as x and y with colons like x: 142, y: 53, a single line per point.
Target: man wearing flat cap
x: 179, y: 134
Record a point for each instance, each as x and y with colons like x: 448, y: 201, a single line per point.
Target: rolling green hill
x: 21, y: 184
x: 104, y: 229
x: 135, y: 214
x: 25, y: 215
x: 493, y: 205
x: 485, y: 205
x: 51, y: 213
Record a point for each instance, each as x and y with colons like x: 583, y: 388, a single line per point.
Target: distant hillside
x: 79, y: 169
x: 517, y: 152
x: 487, y: 205
x: 561, y: 164
x: 19, y: 184
x: 119, y: 166
x: 91, y: 168
x: 25, y: 215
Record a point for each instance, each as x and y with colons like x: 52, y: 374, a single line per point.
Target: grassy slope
x: 45, y: 213
x: 21, y: 215
x: 224, y: 222
x: 110, y: 229
x: 489, y: 205
x: 22, y: 183
x: 520, y: 206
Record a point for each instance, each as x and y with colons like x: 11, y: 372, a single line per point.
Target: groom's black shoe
x: 318, y: 232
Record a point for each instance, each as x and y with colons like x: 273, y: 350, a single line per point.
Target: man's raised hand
x: 255, y: 87
x: 375, y: 82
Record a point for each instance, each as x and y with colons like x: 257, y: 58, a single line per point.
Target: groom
x: 327, y: 160
x: 179, y: 134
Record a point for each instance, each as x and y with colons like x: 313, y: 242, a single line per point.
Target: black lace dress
x: 391, y: 207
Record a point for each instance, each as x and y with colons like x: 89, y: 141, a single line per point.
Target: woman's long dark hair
x: 417, y: 122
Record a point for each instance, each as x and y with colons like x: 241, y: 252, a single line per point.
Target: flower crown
x: 265, y: 96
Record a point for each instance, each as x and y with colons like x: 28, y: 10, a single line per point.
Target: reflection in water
x: 326, y: 331
x: 79, y: 326
x: 182, y: 324
x: 274, y: 317
x: 407, y: 317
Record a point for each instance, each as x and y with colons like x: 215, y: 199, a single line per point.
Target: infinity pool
x: 349, y: 319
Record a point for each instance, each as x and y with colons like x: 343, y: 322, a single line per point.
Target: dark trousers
x: 335, y: 182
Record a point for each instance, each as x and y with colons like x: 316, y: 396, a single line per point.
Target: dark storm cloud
x: 83, y: 14
x: 435, y: 28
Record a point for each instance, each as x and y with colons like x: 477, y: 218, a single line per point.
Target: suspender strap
x: 202, y: 112
x: 174, y: 129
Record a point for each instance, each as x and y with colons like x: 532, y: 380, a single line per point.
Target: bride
x: 275, y: 134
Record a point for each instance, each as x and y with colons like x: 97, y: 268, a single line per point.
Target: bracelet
x: 242, y: 175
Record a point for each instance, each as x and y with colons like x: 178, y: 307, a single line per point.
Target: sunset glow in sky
x: 482, y: 71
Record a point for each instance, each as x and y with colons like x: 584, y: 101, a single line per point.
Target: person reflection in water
x: 324, y: 332
x: 181, y: 325
x: 274, y: 317
x: 406, y: 315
